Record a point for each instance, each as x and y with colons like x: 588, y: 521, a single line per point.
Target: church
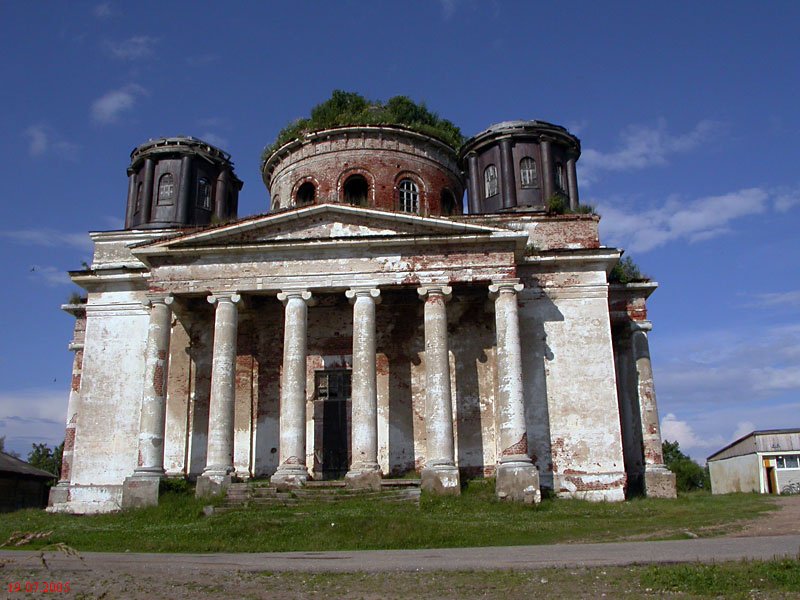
x: 369, y: 326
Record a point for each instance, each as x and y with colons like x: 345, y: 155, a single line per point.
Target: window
x: 527, y: 172
x: 791, y: 461
x: 138, y: 205
x: 559, y: 176
x: 409, y: 196
x: 356, y: 190
x: 203, y: 193
x: 490, y: 180
x: 448, y: 203
x: 166, y: 189
x: 306, y: 193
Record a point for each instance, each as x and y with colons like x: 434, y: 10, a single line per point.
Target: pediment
x: 322, y: 223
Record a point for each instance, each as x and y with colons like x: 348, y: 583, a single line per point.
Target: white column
x: 154, y: 395
x: 517, y: 477
x: 364, y: 470
x: 219, y: 457
x: 292, y: 470
x: 440, y: 474
x: 659, y: 482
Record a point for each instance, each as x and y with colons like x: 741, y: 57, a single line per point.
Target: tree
x: 3, y: 447
x: 688, y: 474
x: 43, y: 457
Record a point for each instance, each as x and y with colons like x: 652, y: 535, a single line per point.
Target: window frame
x: 491, y: 186
x: 411, y: 195
x: 528, y: 172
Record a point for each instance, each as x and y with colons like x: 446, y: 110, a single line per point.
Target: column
x: 659, y: 482
x: 219, y: 456
x: 474, y: 191
x: 440, y: 474
x: 364, y: 471
x: 142, y: 488
x: 221, y: 196
x: 517, y: 477
x: 509, y: 188
x: 292, y: 471
x: 572, y: 183
x: 186, y: 193
x: 131, y: 201
x: 548, y: 179
x: 147, y: 194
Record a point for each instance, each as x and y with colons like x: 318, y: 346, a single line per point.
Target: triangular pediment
x: 324, y: 223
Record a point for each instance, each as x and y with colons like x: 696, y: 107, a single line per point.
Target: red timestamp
x: 43, y: 587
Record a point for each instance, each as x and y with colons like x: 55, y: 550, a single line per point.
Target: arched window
x: 409, y: 196
x: 490, y: 180
x: 276, y: 204
x: 356, y: 190
x: 166, y: 189
x: 306, y: 193
x: 527, y: 172
x: 559, y: 176
x: 448, y: 203
x: 203, y: 193
x: 138, y: 206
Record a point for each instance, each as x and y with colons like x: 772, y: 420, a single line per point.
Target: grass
x: 473, y: 519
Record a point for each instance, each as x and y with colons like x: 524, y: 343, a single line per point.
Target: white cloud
x: 785, y: 201
x: 214, y: 140
x: 694, y: 221
x: 103, y: 10
x: 134, y: 48
x: 778, y: 299
x: 47, y: 238
x: 643, y: 146
x: 448, y: 8
x: 32, y: 416
x: 675, y: 430
x: 42, y: 139
x: 108, y: 107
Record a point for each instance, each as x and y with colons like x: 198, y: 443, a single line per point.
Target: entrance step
x: 262, y: 493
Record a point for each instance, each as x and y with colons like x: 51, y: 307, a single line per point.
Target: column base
x: 659, y: 482
x: 442, y: 480
x: 138, y: 491
x: 59, y: 494
x: 212, y: 484
x: 364, y: 478
x: 289, y: 477
x: 518, y: 482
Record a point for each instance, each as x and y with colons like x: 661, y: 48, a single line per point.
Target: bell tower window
x: 527, y: 172
x: 356, y: 190
x: 306, y: 193
x: 203, y: 193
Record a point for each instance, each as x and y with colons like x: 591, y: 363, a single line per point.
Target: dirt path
x: 784, y: 521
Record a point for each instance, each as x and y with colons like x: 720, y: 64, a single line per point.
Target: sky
x: 687, y: 113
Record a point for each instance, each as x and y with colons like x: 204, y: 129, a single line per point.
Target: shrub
x: 626, y: 271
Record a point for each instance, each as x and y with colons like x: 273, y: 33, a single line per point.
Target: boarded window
x: 559, y: 176
x: 527, y: 172
x: 409, y: 196
x: 138, y: 205
x: 490, y: 180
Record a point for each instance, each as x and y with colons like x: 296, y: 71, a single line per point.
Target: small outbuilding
x: 22, y: 485
x: 766, y: 461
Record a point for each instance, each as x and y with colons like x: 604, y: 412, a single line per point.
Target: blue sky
x: 687, y: 113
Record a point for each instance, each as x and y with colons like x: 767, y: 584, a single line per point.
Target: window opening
x: 306, y: 193
x: 560, y: 176
x: 204, y: 193
x: 166, y: 189
x: 490, y: 180
x: 527, y: 172
x: 409, y: 196
x: 138, y: 205
x: 356, y: 190
x: 448, y: 203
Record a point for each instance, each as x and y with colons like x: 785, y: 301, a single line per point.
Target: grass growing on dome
x: 349, y: 108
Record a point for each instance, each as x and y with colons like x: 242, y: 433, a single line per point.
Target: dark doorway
x: 333, y: 405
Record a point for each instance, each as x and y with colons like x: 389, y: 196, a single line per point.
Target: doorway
x: 332, y: 423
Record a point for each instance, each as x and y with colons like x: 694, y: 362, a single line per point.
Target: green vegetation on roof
x: 348, y: 108
x: 627, y: 271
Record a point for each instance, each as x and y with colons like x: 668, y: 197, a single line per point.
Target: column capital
x: 158, y: 298
x: 435, y: 289
x: 505, y: 286
x: 302, y: 294
x: 363, y: 292
x: 644, y: 326
x: 220, y: 297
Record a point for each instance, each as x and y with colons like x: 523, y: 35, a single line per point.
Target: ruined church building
x: 366, y: 327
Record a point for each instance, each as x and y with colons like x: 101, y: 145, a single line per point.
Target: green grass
x: 473, y: 519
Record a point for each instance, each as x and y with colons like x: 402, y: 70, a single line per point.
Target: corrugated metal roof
x: 753, y: 434
x: 10, y: 464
